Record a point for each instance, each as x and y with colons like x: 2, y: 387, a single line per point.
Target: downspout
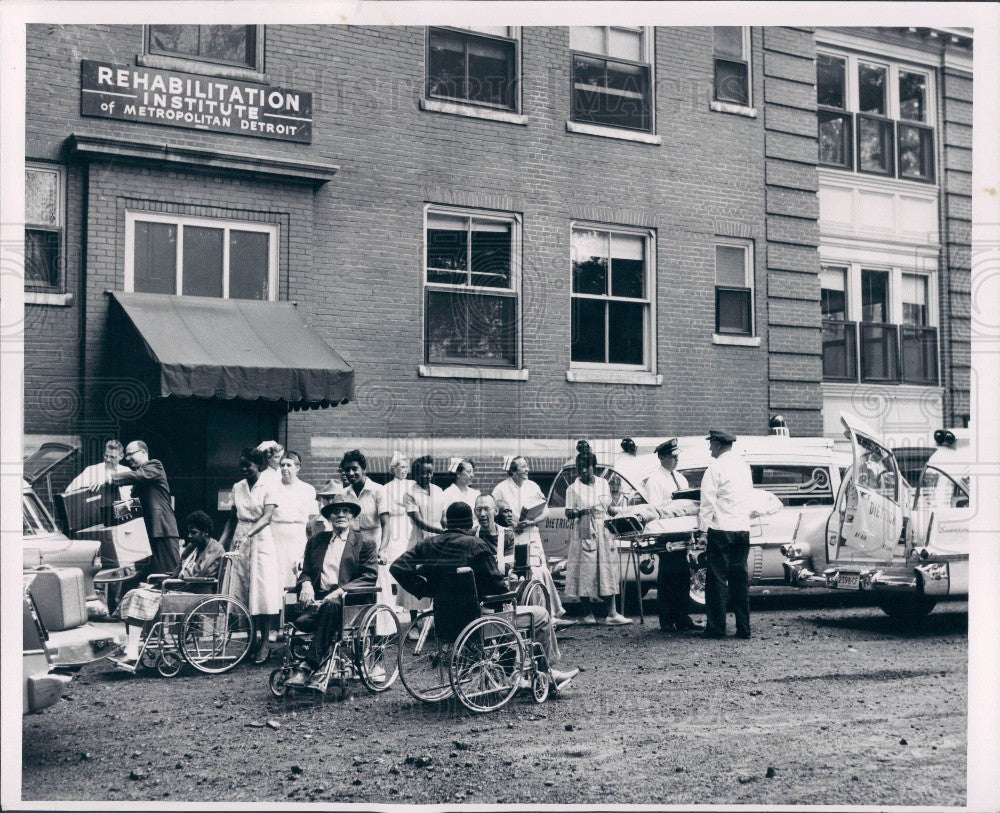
x: 944, y: 264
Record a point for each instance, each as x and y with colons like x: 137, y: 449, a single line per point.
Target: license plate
x: 848, y: 581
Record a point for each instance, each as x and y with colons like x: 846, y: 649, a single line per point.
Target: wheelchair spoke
x: 423, y: 663
x: 216, y: 634
x: 486, y: 665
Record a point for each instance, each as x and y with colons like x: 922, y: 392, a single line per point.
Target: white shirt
x: 330, y: 575
x: 726, y: 494
x: 296, y: 502
x: 661, y: 485
x: 454, y: 494
x: 526, y: 496
x: 99, y: 473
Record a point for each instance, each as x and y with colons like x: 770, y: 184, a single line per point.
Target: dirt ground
x: 829, y: 703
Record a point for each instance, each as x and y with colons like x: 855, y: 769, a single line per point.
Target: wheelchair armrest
x: 199, y: 580
x: 362, y: 591
x: 156, y: 578
x: 499, y: 598
x: 173, y: 584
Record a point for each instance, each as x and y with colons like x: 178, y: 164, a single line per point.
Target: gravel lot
x: 830, y: 703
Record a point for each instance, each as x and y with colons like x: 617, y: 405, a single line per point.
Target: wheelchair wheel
x: 540, y: 684
x: 276, y: 682
x: 532, y: 593
x: 169, y: 664
x: 298, y: 645
x: 377, y: 648
x: 423, y: 661
x: 486, y: 664
x: 216, y: 634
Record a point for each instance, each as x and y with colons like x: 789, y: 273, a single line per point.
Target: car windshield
x: 938, y: 490
x: 36, y: 519
x: 875, y: 469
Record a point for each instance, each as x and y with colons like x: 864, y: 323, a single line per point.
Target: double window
x: 875, y: 117
x: 612, y: 297
x: 612, y: 77
x: 731, y: 47
x: 734, y: 288
x: 473, y: 65
x: 200, y: 257
x: 44, y: 224
x: 879, y: 323
x: 235, y: 45
x: 471, y: 285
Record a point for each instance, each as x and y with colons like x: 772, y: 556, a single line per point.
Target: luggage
x: 60, y: 598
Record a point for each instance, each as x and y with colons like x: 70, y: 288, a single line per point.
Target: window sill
x: 735, y: 109
x: 39, y: 298
x: 639, y: 377
x: 176, y: 63
x: 612, y: 132
x: 482, y: 373
x: 471, y: 111
x: 736, y: 341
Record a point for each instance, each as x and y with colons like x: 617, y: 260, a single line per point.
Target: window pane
x: 914, y: 300
x: 626, y: 103
x: 728, y: 41
x: 730, y: 266
x: 625, y: 44
x: 491, y: 72
x: 589, y: 38
x: 833, y: 294
x: 234, y: 44
x: 830, y: 72
x: 875, y: 296
x: 879, y: 356
x: 491, y: 254
x: 918, y: 355
x: 249, y: 263
x: 470, y: 327
x: 588, y: 330
x: 495, y: 30
x: 174, y: 39
x: 916, y: 152
x: 874, y: 145
x: 626, y: 331
x: 41, y: 259
x: 628, y: 266
x: 41, y: 197
x: 447, y: 250
x: 202, y: 263
x: 871, y: 89
x: 731, y: 82
x: 912, y: 96
x: 590, y: 262
x: 446, y: 64
x: 588, y: 71
x: 840, y: 351
x: 732, y: 311
x: 155, y: 263
x: 835, y: 137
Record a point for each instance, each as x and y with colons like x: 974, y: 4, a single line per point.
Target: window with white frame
x: 475, y: 65
x: 236, y: 45
x: 166, y: 254
x: 44, y: 226
x: 612, y: 293
x: 731, y: 47
x: 471, y: 312
x: 879, y: 324
x: 612, y: 76
x: 875, y: 116
x: 734, y: 288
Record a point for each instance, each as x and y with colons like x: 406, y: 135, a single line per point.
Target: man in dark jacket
x: 334, y: 562
x: 149, y: 486
x: 457, y: 546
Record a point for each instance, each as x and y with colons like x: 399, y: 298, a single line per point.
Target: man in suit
x: 334, y: 562
x: 150, y: 487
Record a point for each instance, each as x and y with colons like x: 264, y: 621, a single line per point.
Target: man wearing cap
x: 334, y: 562
x: 724, y: 516
x: 458, y: 546
x: 673, y: 575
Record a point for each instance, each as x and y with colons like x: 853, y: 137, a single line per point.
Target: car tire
x: 696, y: 598
x: 907, y: 608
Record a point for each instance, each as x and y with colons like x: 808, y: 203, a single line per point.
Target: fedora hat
x: 340, y: 501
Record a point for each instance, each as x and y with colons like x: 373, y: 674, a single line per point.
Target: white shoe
x: 616, y: 621
x: 559, y: 623
x: 377, y: 674
x: 560, y: 680
x: 588, y: 619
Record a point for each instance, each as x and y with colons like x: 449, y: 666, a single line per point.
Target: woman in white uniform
x: 461, y: 490
x: 296, y: 505
x: 254, y: 577
x: 425, y: 507
x: 397, y: 530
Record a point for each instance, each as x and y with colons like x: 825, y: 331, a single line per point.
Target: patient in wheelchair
x: 200, y: 559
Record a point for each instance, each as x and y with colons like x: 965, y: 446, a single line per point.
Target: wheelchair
x: 195, y: 624
x: 365, y: 649
x: 457, y: 649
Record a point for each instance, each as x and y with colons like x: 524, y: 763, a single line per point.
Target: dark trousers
x: 324, y: 621
x: 726, y: 581
x: 673, y: 587
x: 166, y: 553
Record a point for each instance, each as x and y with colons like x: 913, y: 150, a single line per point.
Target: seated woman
x: 200, y: 558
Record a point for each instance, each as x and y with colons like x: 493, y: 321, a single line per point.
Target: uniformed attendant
x: 673, y: 576
x: 724, y: 516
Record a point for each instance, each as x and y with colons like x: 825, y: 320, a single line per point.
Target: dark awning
x: 228, y: 348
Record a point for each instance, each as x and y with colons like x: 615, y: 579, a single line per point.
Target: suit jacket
x: 149, y: 486
x: 451, y: 547
x: 358, y: 565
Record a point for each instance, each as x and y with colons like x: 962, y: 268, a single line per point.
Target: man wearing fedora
x: 334, y: 561
x: 724, y: 516
x: 458, y: 546
x: 673, y: 575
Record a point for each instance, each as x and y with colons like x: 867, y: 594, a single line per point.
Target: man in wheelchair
x: 457, y: 546
x: 334, y: 562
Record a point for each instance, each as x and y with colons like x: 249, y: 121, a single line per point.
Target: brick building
x: 514, y: 237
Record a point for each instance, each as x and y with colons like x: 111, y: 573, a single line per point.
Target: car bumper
x: 70, y: 649
x: 928, y: 579
x: 42, y: 691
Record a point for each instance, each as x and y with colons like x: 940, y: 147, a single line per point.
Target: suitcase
x: 60, y: 598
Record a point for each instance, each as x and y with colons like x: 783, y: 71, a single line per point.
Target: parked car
x: 803, y: 473
x: 41, y: 686
x: 907, y: 546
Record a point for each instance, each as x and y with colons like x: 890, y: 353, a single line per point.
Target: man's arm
x: 149, y: 471
x: 709, y: 489
x: 404, y: 571
x: 484, y: 564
